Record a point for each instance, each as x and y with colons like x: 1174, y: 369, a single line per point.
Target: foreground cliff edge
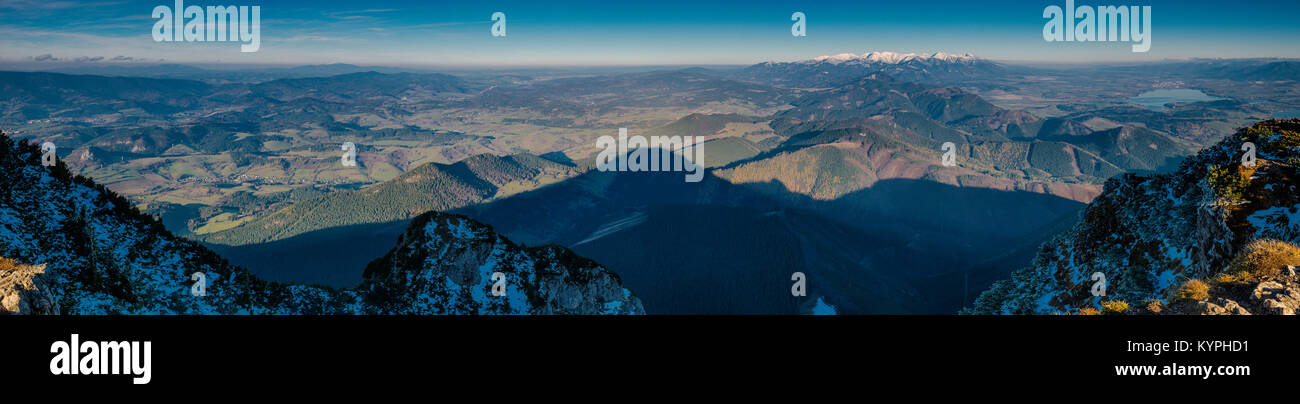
x: 70, y: 246
x: 1217, y: 236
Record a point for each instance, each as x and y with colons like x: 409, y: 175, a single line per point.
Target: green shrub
x: 1228, y: 182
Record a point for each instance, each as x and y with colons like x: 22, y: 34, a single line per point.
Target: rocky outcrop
x: 1277, y: 296
x: 19, y: 289
x: 1232, y: 224
x: 1218, y: 306
x: 447, y: 263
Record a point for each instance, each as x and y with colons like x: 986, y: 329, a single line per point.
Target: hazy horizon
x: 674, y: 33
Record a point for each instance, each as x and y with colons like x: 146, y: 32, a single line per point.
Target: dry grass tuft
x: 1260, y: 260
x: 1114, y: 307
x: 1194, y: 289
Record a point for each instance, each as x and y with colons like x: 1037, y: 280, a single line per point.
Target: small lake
x: 1157, y: 99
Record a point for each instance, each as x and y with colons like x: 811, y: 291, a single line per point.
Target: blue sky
x: 432, y: 33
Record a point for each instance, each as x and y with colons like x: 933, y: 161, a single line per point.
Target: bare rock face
x: 21, y: 291
x: 1215, y: 307
x: 1277, y: 298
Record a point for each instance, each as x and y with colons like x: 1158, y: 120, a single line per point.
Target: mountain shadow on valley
x: 900, y: 246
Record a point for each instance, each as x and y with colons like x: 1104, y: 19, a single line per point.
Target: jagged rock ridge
x: 445, y: 263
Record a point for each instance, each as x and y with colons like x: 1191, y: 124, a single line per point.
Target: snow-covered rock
x: 446, y: 263
x: 892, y: 58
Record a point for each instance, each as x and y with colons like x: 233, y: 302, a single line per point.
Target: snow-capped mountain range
x: 892, y: 58
x: 833, y: 70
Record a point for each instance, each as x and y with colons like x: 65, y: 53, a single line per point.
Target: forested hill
x: 432, y: 186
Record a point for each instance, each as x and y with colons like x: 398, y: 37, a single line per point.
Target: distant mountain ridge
x: 45, y: 95
x: 217, y: 75
x: 1003, y: 142
x: 1275, y: 71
